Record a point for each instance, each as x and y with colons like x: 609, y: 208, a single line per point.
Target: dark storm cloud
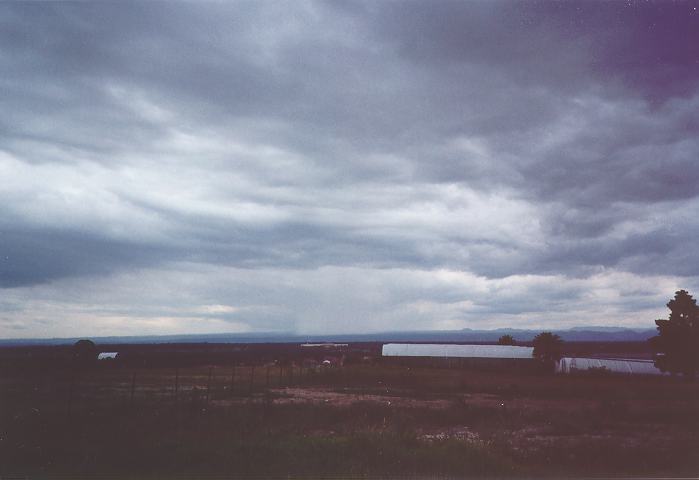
x: 555, y: 57
x: 651, y: 46
x: 496, y: 139
x: 37, y: 256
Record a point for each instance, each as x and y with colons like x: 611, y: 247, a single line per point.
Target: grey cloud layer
x: 493, y: 138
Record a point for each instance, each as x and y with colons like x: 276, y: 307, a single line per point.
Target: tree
x: 506, y: 340
x: 84, y: 353
x: 548, y: 349
x: 677, y: 344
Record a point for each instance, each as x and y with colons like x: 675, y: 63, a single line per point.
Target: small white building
x: 455, y: 351
x: 107, y: 355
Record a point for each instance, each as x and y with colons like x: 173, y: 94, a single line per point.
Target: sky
x: 345, y: 167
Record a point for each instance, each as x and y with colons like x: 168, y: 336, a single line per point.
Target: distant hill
x: 575, y: 334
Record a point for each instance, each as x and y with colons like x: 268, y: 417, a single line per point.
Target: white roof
x: 635, y: 367
x: 104, y: 355
x: 455, y: 351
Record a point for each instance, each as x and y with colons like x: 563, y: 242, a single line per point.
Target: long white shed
x: 455, y: 351
x: 615, y: 365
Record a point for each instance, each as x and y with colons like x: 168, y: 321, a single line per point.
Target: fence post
x: 267, y: 378
x: 252, y: 378
x: 208, y: 386
x: 233, y: 380
x: 177, y: 382
x: 268, y: 407
x: 213, y: 382
x: 133, y: 386
x: 291, y: 374
x: 281, y: 372
x: 71, y: 387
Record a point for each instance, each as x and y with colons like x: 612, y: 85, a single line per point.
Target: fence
x: 120, y: 387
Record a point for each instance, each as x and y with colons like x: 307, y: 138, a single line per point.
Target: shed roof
x: 455, y: 351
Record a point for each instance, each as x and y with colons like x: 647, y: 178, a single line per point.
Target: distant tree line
x: 506, y: 340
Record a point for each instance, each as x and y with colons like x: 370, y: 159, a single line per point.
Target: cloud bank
x: 345, y: 166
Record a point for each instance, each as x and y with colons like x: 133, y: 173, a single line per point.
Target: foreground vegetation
x: 359, y: 420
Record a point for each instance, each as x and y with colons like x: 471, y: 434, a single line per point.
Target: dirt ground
x: 361, y: 420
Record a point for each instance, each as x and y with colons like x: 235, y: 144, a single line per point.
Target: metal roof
x: 104, y: 355
x: 632, y: 367
x: 455, y: 351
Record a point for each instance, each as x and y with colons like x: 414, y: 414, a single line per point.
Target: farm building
x: 629, y: 367
x: 493, y: 357
x: 107, y: 355
x: 455, y: 351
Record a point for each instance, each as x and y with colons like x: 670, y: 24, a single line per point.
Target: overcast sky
x: 336, y: 167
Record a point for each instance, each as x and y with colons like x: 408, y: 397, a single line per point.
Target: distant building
x: 612, y: 365
x: 107, y: 355
x: 478, y: 357
x: 455, y: 351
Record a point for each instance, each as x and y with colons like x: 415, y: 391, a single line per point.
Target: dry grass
x: 361, y: 420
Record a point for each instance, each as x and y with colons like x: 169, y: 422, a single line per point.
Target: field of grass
x: 375, y: 420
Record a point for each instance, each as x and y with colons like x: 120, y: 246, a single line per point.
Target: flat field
x: 359, y: 420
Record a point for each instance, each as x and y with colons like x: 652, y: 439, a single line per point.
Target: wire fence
x: 115, y: 386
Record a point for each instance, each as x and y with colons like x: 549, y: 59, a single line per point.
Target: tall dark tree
x: 548, y: 349
x: 677, y: 343
x: 84, y: 353
x: 506, y: 340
